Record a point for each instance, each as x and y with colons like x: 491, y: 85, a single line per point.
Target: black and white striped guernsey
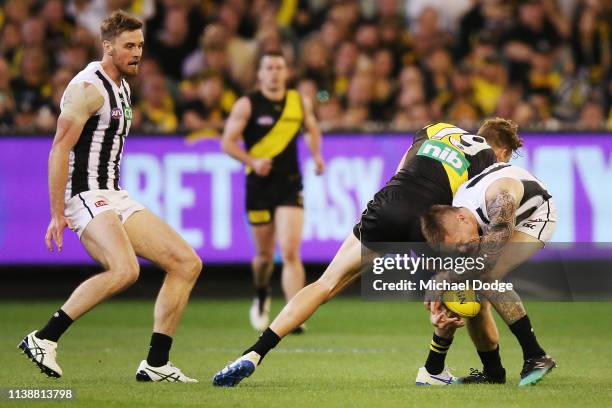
x: 95, y: 160
x: 472, y: 194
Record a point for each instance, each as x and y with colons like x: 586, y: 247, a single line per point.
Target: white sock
x: 252, y: 357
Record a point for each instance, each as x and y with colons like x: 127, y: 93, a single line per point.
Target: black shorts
x: 393, y: 215
x: 265, y: 194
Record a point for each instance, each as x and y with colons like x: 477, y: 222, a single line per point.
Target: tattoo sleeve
x: 502, y: 212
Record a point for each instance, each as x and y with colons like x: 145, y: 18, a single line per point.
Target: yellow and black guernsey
x: 440, y: 159
x: 272, y: 132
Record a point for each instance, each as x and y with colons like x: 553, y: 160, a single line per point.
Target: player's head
x: 502, y: 135
x: 272, y: 72
x: 453, y: 228
x: 122, y: 40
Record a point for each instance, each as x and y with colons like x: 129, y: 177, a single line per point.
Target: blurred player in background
x: 269, y: 121
x: 85, y: 196
x: 440, y: 159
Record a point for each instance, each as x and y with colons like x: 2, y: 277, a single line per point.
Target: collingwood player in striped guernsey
x: 504, y: 215
x: 85, y: 196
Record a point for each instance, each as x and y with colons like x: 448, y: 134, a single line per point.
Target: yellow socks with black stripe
x: 437, y: 354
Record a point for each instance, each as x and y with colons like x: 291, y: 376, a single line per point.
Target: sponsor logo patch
x: 446, y: 154
x: 265, y: 120
x: 116, y: 113
x: 100, y: 203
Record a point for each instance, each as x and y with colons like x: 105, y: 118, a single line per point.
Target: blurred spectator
x: 428, y: 35
x: 48, y: 113
x: 171, y: 46
x: 359, y: 98
x: 59, y: 27
x: 156, y: 106
x: 488, y: 19
x: 592, y: 117
x: 532, y: 30
x: 206, y: 112
x: 7, y: 102
x: 31, y: 89
x: 9, y: 46
x: 329, y: 113
x: 316, y: 62
x: 345, y: 64
x: 591, y: 42
x: 489, y: 83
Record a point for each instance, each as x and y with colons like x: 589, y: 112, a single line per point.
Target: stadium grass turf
x: 354, y: 354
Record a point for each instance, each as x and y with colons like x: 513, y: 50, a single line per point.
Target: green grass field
x: 355, y: 354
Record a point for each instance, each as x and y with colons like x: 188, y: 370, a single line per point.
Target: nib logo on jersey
x: 445, y: 154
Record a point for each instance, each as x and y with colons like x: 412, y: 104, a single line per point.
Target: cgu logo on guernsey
x: 445, y: 154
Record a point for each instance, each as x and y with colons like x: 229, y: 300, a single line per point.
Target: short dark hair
x: 432, y: 225
x: 269, y: 53
x: 500, y: 132
x: 118, y: 22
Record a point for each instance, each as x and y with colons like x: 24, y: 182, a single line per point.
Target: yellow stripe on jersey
x: 455, y: 179
x: 282, y: 133
x: 444, y: 132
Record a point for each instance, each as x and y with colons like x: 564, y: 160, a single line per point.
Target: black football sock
x: 159, y: 350
x: 491, y: 362
x: 523, y: 332
x: 437, y: 354
x: 266, y: 342
x: 57, y: 325
x: 262, y: 294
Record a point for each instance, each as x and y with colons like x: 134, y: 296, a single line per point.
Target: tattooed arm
x: 502, y: 198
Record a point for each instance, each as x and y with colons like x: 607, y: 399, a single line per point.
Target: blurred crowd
x: 367, y: 64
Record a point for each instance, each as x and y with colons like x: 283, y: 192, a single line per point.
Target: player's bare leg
x: 519, y: 249
x: 107, y: 242
x: 262, y: 266
x: 343, y: 269
x: 485, y: 336
x: 156, y: 241
x: 289, y: 223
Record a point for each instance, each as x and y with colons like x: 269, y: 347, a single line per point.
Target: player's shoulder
x: 88, y: 75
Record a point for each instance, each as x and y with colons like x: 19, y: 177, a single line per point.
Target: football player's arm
x: 80, y: 101
x: 312, y: 136
x: 502, y: 199
x: 232, y: 138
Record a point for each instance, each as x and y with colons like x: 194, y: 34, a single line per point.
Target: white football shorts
x: 85, y: 206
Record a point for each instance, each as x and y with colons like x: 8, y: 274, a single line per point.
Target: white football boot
x: 444, y: 378
x: 43, y: 353
x: 259, y: 314
x: 167, y: 372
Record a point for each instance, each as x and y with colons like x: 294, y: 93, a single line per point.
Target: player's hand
x: 443, y: 320
x: 319, y: 164
x: 262, y: 167
x: 55, y: 232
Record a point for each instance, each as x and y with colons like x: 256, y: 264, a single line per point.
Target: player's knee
x: 125, y: 275
x: 185, y: 263
x: 263, y: 258
x: 290, y: 254
x: 326, y: 285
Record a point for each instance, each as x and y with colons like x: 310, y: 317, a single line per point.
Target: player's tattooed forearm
x: 501, y: 211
